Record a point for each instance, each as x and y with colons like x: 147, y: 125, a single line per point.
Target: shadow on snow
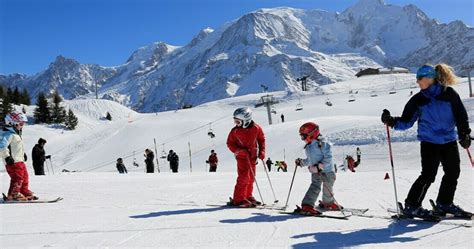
x: 367, y: 236
x: 260, y: 217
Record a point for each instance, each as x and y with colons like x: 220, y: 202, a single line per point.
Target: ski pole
x: 269, y: 181
x: 291, y: 186
x: 332, y: 194
x: 255, y: 179
x: 47, y: 167
x: 470, y: 157
x: 52, y: 168
x: 393, y: 170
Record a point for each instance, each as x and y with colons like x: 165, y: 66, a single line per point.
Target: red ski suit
x: 247, y: 144
x: 19, y: 179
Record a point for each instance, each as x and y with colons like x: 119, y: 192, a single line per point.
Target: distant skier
x: 213, y: 160
x: 173, y: 158
x: 247, y: 141
x: 38, y: 156
x: 350, y: 163
x: 359, y: 154
x: 438, y: 109
x: 149, y: 157
x: 319, y: 163
x: 282, y: 118
x: 269, y: 164
x: 121, y: 167
x: 281, y: 165
x: 11, y: 150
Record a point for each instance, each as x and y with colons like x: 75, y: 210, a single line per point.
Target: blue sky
x: 106, y: 32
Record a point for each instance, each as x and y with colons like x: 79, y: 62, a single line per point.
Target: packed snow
x: 104, y: 209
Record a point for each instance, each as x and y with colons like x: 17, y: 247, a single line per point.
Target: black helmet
x: 212, y: 151
x: 171, y: 151
x: 41, y: 141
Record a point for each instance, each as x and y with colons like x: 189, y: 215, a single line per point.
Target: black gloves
x: 465, y: 140
x: 24, y: 156
x: 387, y: 118
x: 48, y: 157
x: 299, y: 162
x: 9, y: 160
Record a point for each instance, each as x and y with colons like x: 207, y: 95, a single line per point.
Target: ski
x: 349, y: 210
x: 269, y: 207
x: 465, y: 215
x: 31, y: 201
x: 402, y: 218
x: 339, y: 217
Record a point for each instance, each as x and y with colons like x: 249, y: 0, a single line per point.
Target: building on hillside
x: 389, y: 70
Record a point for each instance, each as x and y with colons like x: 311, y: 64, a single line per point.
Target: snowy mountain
x: 271, y: 47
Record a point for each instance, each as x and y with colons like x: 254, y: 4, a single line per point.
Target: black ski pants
x: 38, y: 168
x: 431, y: 156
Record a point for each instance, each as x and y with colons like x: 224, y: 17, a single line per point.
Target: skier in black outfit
x: 121, y: 167
x: 150, y: 165
x: 269, y: 164
x: 174, y: 161
x: 438, y: 109
x: 39, y: 156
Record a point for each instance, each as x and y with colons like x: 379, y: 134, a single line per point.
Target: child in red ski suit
x: 247, y: 141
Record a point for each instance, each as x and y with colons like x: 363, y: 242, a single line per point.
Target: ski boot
x: 254, y: 201
x: 15, y: 197
x: 306, y: 209
x: 331, y: 206
x: 456, y: 211
x: 242, y: 204
x: 419, y: 212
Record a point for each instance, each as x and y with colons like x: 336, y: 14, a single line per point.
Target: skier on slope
x: 150, y: 165
x: 12, y: 151
x: 247, y: 141
x: 213, y: 160
x: 438, y: 109
x: 121, y: 167
x: 173, y: 158
x: 38, y: 156
x: 319, y: 162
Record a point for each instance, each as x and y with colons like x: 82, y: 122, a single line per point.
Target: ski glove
x: 9, y: 160
x: 261, y: 155
x: 48, y: 157
x: 387, y: 118
x: 299, y: 162
x: 25, y: 157
x: 465, y: 141
x: 316, y: 169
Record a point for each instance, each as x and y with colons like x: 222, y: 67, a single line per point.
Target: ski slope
x: 106, y: 210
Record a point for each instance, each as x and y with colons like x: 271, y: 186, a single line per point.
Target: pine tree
x: 58, y: 113
x: 108, y: 116
x: 16, y: 97
x: 6, y: 106
x: 25, y: 97
x: 2, y: 92
x: 42, y: 112
x: 71, y: 120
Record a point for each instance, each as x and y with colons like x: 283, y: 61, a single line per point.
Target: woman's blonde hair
x: 445, y: 75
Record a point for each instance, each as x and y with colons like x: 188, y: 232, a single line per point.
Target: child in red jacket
x: 247, y: 141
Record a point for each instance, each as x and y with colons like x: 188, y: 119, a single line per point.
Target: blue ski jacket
x: 439, y: 111
x: 319, y: 151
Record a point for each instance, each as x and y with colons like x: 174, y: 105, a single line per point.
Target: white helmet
x: 14, y: 118
x: 244, y: 114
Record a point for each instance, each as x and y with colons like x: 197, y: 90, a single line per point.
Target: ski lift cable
x: 104, y: 164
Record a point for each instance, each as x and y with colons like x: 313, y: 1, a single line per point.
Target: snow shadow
x: 178, y: 212
x: 367, y: 236
x: 260, y: 217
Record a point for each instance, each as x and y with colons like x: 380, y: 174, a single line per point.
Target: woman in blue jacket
x: 438, y: 110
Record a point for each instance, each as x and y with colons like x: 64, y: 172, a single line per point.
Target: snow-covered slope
x: 271, y: 47
x: 104, y: 209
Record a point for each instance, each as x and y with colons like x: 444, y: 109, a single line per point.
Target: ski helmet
x: 426, y: 71
x: 244, y: 114
x: 309, y: 131
x: 14, y: 118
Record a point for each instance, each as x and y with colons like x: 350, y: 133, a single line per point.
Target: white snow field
x: 102, y: 209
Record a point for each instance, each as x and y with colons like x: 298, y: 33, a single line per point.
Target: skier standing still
x: 319, y: 162
x: 438, y: 110
x: 247, y: 141
x: 11, y: 147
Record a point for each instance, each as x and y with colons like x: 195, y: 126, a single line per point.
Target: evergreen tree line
x: 54, y: 113
x: 9, y: 97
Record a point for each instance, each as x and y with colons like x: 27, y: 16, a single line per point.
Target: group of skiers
x: 436, y: 107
